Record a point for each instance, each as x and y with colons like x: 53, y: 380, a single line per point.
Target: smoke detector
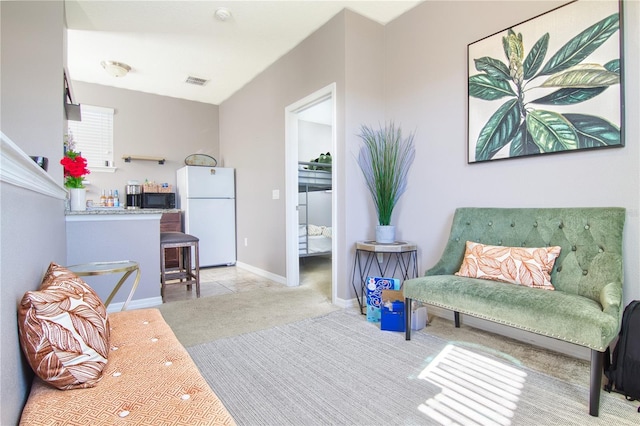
x: 222, y: 14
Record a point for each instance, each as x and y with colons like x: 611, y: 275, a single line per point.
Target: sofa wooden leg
x: 456, y: 318
x: 407, y: 318
x: 597, y: 359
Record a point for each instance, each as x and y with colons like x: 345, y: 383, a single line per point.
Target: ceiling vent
x: 197, y: 81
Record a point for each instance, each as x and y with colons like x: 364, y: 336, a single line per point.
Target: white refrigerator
x: 206, y: 196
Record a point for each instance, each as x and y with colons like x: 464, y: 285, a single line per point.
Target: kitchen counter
x: 118, y: 211
x: 117, y: 234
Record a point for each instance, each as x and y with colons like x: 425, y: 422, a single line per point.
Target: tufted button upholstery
x: 582, y: 242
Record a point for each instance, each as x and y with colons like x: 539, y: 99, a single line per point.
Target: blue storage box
x: 392, y: 311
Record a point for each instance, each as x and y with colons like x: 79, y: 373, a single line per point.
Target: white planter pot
x: 385, y: 234
x: 77, y: 199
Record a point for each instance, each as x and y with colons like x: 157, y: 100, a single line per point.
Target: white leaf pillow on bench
x: 516, y: 265
x: 64, y: 330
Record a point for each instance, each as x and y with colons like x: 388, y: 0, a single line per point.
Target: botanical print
x: 547, y: 85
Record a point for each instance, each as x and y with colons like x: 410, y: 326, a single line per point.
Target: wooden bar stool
x: 183, y: 242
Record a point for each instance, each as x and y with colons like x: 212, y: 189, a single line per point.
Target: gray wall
x: 252, y: 137
x: 425, y: 90
x: 153, y: 126
x: 32, y: 116
x: 348, y: 51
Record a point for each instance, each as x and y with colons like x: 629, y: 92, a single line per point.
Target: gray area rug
x: 338, y: 369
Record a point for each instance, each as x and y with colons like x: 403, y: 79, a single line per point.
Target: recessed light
x: 116, y: 69
x: 222, y: 14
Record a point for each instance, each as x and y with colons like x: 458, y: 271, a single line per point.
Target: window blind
x: 93, y: 135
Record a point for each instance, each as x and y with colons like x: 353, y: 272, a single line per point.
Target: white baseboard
x: 566, y: 348
x: 266, y: 274
x: 346, y: 303
x: 136, y: 304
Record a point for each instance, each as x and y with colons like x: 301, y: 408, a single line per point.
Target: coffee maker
x: 134, y: 195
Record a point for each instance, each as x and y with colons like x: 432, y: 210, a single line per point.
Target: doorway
x: 310, y: 131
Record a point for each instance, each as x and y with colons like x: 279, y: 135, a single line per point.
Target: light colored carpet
x: 339, y: 369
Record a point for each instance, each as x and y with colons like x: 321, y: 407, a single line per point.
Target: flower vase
x: 385, y: 234
x: 78, y: 199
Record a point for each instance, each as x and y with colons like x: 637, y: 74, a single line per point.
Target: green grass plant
x: 385, y: 159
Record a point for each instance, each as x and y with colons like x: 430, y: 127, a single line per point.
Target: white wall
x: 32, y: 227
x: 153, y: 126
x: 426, y: 90
x: 313, y: 139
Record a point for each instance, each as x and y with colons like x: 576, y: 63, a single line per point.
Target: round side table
x: 126, y: 267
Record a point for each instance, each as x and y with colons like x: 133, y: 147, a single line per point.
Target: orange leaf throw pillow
x: 517, y: 265
x: 64, y: 330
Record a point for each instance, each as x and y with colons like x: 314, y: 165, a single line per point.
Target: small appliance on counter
x: 134, y: 195
x: 158, y: 200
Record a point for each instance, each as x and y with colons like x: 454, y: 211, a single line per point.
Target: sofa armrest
x: 440, y: 268
x: 611, y: 299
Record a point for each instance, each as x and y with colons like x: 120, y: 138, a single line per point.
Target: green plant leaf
x: 582, y: 45
x: 498, y: 131
x: 505, y: 43
x: 583, y: 76
x: 488, y: 88
x: 569, y: 96
x: 493, y: 67
x: 594, y: 131
x: 551, y: 131
x: 534, y: 59
x: 513, y: 45
x: 613, y: 66
x: 522, y: 143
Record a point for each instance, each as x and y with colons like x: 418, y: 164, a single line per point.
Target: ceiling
x: 164, y: 42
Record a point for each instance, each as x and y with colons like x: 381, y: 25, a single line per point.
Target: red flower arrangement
x: 75, y: 165
x: 75, y: 168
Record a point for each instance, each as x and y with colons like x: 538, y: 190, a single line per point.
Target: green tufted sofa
x: 586, y: 306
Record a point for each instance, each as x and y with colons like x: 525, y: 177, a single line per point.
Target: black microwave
x: 158, y: 200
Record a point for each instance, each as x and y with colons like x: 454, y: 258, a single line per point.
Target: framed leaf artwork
x: 548, y: 85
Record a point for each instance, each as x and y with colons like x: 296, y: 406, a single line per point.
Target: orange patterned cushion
x: 64, y: 330
x: 150, y: 380
x: 517, y: 265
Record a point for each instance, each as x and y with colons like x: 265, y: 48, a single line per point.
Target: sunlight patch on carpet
x: 475, y: 389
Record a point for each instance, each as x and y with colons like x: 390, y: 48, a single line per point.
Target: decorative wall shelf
x: 128, y: 158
